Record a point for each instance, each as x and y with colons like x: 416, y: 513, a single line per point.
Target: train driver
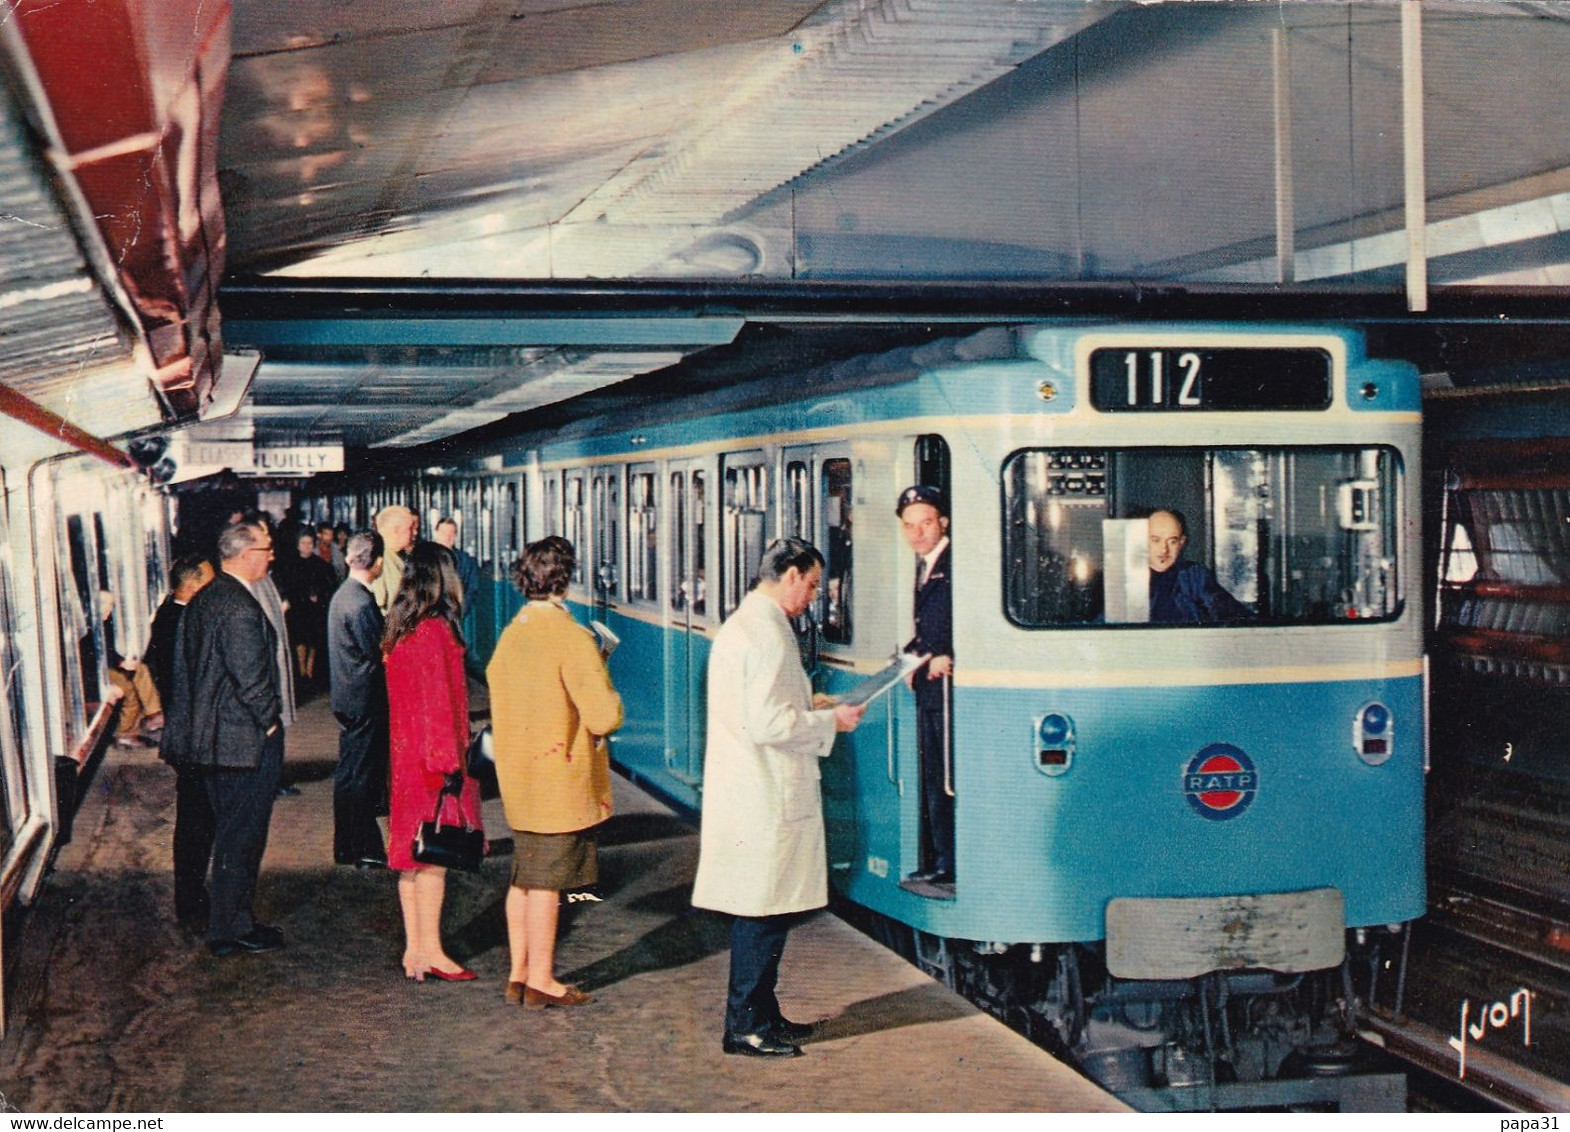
x: 1184, y: 592
x: 923, y: 516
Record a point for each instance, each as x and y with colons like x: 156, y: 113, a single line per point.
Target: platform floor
x: 114, y: 1009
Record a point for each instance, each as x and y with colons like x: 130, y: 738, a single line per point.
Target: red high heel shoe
x: 461, y: 975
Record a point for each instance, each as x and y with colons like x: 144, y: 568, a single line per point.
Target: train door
x: 931, y: 755
x: 687, y: 486
x: 816, y: 504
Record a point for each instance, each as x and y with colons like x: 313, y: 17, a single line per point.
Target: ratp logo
x: 1220, y: 782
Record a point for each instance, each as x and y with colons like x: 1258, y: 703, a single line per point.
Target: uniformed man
x: 923, y: 516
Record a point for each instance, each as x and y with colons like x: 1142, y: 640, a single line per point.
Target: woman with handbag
x: 552, y: 704
x: 428, y: 733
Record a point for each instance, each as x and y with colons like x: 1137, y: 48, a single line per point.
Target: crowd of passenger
x: 380, y: 621
x: 242, y: 634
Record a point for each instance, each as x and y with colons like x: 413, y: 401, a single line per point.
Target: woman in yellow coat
x: 552, y: 704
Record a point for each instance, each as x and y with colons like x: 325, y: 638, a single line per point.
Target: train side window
x: 835, y: 507
x: 509, y: 544
x: 13, y: 783
x: 575, y: 522
x: 744, y: 535
x: 606, y: 532
x: 798, y: 501
x: 553, y: 504
x: 700, y: 544
x: 484, y: 502
x: 1271, y: 536
x: 678, y: 542
x: 643, y: 537
x: 932, y: 462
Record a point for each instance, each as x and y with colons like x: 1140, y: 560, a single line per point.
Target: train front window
x: 1190, y: 536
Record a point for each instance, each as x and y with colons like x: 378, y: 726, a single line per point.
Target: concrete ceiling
x: 811, y: 142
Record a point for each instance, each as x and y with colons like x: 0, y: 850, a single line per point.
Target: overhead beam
x: 31, y: 413
x: 257, y: 303
x: 393, y: 330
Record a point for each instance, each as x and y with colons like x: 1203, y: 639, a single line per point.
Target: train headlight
x: 1373, y: 733
x: 1055, y: 743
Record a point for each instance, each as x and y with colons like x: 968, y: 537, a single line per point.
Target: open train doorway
x: 923, y: 511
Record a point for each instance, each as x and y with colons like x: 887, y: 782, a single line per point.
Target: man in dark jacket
x: 193, y: 813
x: 225, y: 721
x: 1184, y: 593
x: 923, y: 516
x: 359, y: 703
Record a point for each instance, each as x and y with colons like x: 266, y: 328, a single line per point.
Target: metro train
x: 70, y: 528
x: 1171, y: 839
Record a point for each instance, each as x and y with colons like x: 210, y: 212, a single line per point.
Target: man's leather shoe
x: 787, y: 1031
x: 759, y: 1045
x: 261, y: 937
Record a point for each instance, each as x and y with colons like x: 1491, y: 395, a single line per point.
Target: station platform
x: 114, y: 1009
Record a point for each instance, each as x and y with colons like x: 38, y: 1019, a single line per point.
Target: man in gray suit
x: 359, y: 703
x: 226, y: 720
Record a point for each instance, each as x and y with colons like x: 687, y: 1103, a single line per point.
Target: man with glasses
x: 225, y: 722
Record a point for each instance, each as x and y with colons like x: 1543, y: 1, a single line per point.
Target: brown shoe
x: 539, y: 1000
x: 515, y: 994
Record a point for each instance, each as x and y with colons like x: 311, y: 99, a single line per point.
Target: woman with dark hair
x: 428, y: 733
x: 552, y: 704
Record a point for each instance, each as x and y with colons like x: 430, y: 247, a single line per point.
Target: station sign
x: 298, y: 460
x: 204, y: 457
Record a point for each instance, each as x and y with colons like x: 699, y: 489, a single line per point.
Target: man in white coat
x: 761, y: 848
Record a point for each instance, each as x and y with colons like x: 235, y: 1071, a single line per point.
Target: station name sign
x: 280, y: 460
x: 1154, y: 379
x: 299, y: 461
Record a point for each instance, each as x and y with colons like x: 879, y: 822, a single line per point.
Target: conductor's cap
x: 921, y: 493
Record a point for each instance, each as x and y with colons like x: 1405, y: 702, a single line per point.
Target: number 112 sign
x: 1155, y: 379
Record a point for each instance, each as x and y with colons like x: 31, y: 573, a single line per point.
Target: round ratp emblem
x: 1220, y: 782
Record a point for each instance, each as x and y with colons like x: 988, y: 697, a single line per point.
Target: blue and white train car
x: 1153, y: 820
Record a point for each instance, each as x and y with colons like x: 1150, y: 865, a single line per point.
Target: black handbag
x: 451, y: 845
x: 480, y: 760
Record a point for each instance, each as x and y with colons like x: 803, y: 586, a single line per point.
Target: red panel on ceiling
x: 135, y: 88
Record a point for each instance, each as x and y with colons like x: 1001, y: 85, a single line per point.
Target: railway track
x: 1489, y: 983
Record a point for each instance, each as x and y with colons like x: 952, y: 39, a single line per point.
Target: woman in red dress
x: 428, y: 732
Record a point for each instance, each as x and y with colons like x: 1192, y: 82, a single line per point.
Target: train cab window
x: 835, y: 509
x: 575, y: 522
x: 1258, y: 536
x: 643, y: 532
x: 745, y: 532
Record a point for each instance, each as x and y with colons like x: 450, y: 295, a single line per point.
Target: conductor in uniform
x: 762, y: 856
x: 923, y: 516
